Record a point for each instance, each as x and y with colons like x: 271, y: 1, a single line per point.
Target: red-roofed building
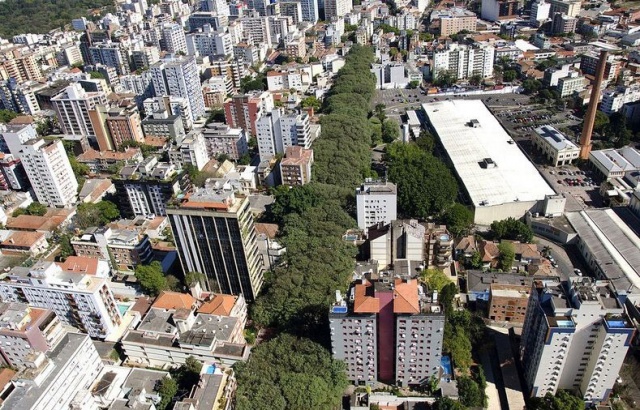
x: 388, y: 330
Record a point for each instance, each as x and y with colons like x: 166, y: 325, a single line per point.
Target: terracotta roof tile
x: 174, y: 300
x: 80, y: 264
x: 405, y: 296
x: 220, y: 305
x: 364, y: 302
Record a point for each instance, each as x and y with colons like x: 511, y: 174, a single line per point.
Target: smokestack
x: 590, y: 117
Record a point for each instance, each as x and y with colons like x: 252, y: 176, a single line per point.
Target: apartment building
x: 112, y: 55
x: 571, y: 8
x: 310, y: 11
x: 574, y: 83
x: 172, y: 38
x: 25, y: 330
x: 613, y: 100
x: 207, y: 18
x: 562, y: 23
x: 389, y: 330
x: 208, y: 42
x: 172, y: 330
x: 589, y: 64
x: 276, y: 131
x: 399, y: 243
x: 376, y: 202
x: 295, y: 167
x: 215, y: 91
x: 173, y: 106
x: 454, y: 20
x: 215, y: 235
x: 72, y: 107
x: 222, y: 139
x: 337, y: 8
x: 79, y: 300
x: 53, y: 380
x: 244, y: 110
x: 257, y: 28
x: 123, y: 248
x: 179, y: 77
x: 12, y: 175
x: 540, y: 10
x: 49, y: 171
x: 115, y: 124
x: 191, y: 150
x: 575, y: 337
x: 464, y: 61
x: 496, y: 10
x: 146, y: 187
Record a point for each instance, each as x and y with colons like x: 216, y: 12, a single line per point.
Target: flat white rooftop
x: 487, y: 160
x: 555, y: 138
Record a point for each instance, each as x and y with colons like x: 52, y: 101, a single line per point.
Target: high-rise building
x: 575, y: 337
x: 25, y: 330
x: 72, y: 108
x: 172, y: 105
x: 291, y: 9
x: 217, y: 22
x: 53, y: 381
x: 463, y: 61
x: 276, y: 132
x: 310, y: 11
x: 295, y: 167
x: 495, y: 10
x: 116, y: 124
x: 257, y: 28
x: 191, y: 150
x: 220, y: 7
x: 571, y: 8
x: 454, y: 20
x: 563, y: 24
x: 179, y: 77
x: 215, y: 236
x: 222, y: 139
x: 111, y: 55
x: 49, y: 171
x: 540, y: 10
x: 80, y: 300
x: 244, y: 110
x: 389, y: 330
x: 376, y: 202
x: 337, y: 8
x: 173, y: 39
x: 207, y: 42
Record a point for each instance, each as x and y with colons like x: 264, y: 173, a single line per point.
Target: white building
x: 207, y: 42
x: 179, y: 77
x: 12, y: 136
x: 277, y: 131
x: 49, y: 171
x: 111, y: 55
x: 192, y: 150
x: 555, y: 146
x: 574, y: 83
x: 376, y: 202
x: 310, y: 11
x: 53, y: 380
x: 487, y: 161
x: 613, y: 100
x: 464, y: 61
x: 222, y: 139
x: 337, y: 8
x: 172, y: 105
x: 72, y: 108
x: 539, y: 12
x: 575, y: 337
x: 616, y: 163
x: 173, y: 39
x: 257, y: 28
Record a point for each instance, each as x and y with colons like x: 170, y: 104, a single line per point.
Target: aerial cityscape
x: 319, y: 204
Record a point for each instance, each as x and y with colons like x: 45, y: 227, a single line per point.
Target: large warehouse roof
x: 489, y: 163
x: 614, y: 246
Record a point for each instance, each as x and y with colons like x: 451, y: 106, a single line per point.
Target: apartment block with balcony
x: 123, y: 249
x: 388, y: 330
x: 376, y: 202
x: 79, y: 300
x: 223, y: 139
x: 295, y: 167
x: 575, y: 337
x: 25, y: 330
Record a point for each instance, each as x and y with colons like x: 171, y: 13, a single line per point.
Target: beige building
x: 295, y: 168
x: 455, y: 20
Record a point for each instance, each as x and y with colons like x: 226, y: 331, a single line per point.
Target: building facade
x: 376, y: 202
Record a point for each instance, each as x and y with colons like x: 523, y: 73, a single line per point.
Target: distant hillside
x: 41, y: 16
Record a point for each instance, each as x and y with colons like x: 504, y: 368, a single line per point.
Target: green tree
x: 98, y: 214
x: 191, y: 278
x: 376, y: 130
x: 36, y: 208
x: 167, y: 390
x: 96, y: 75
x: 435, y: 279
x: 475, y: 79
x: 507, y: 256
x: 413, y: 84
x: 379, y: 112
x: 446, y: 403
x: 509, y: 75
x: 563, y: 400
x: 426, y: 141
x: 444, y: 78
x: 469, y: 392
x: 249, y: 83
x: 447, y: 294
x: 151, y: 278
x: 616, y: 130
x: 475, y: 262
x: 311, y: 102
x: 531, y: 86
x: 6, y: 115
x: 425, y: 185
x: 512, y: 229
x: 290, y: 373
x: 390, y: 131
x: 217, y: 115
x: 66, y: 249
x: 458, y: 218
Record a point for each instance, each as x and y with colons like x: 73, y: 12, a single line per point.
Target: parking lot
x: 581, y: 188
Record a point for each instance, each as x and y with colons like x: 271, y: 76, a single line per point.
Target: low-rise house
x: 24, y: 242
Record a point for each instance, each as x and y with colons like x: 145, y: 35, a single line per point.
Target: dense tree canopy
x: 289, y: 373
x: 342, y: 154
x: 425, y: 184
x: 151, y: 278
x: 512, y: 229
x: 563, y: 400
x: 98, y: 214
x: 34, y: 208
x: 507, y: 255
x: 41, y: 16
x: 458, y: 218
